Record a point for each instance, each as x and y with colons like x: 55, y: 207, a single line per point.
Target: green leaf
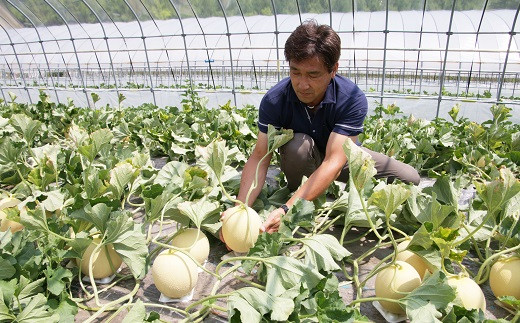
x: 120, y: 177
x: 217, y: 157
x: 300, y: 214
x: 497, y: 192
x: 253, y: 304
x: 322, y: 250
x: 267, y: 245
x: 130, y: 244
x: 54, y: 201
x: 35, y: 220
x: 435, y: 213
x: 199, y: 210
x: 277, y: 138
x: 136, y: 314
x: 284, y: 273
x: 57, y: 278
x: 93, y: 185
x: 171, y: 173
x: 27, y: 127
x: 424, y: 303
x: 66, y: 308
x: 36, y: 311
x: 460, y: 314
x: 97, y: 215
x: 330, y: 308
x: 7, y: 269
x: 390, y: 198
x: 360, y: 163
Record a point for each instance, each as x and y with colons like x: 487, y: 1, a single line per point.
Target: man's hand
x: 273, y: 221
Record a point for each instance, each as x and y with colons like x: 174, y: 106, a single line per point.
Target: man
x: 323, y: 109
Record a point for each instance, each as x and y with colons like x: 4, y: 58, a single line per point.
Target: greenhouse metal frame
x: 420, y: 53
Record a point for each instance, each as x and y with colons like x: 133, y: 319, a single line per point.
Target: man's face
x: 310, y: 79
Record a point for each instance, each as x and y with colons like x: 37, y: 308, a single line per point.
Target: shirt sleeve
x: 352, y: 115
x: 269, y: 113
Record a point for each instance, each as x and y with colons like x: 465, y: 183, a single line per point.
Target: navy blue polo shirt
x: 342, y: 110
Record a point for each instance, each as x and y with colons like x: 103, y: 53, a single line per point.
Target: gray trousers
x: 300, y: 157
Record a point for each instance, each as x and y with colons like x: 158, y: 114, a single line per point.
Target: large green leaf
x: 198, y: 211
x: 390, y: 198
x: 284, y: 273
x: 253, y: 304
x: 424, y: 303
x: 360, y: 164
x: 120, y: 177
x: 36, y: 311
x: 277, y: 138
x: 27, y: 127
x: 323, y: 250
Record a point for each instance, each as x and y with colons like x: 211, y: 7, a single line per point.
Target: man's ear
x: 335, y: 69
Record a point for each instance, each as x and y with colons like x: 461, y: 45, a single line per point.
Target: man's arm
x: 249, y: 171
x: 334, y: 161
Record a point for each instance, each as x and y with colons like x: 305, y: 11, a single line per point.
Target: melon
x: 468, y: 293
x: 240, y: 228
x: 193, y: 241
x: 504, y: 277
x: 5, y: 224
x: 395, y: 282
x: 174, y: 273
x: 100, y: 265
x: 412, y: 258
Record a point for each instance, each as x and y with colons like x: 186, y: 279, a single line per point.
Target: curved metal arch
x: 50, y: 33
x: 162, y: 38
x: 477, y: 33
x: 420, y: 44
x: 230, y: 53
x: 299, y: 11
x: 511, y: 35
x: 443, y: 70
x: 75, y: 50
x: 143, y: 37
x: 205, y: 43
x: 383, y: 77
x: 250, y: 43
x: 186, y: 46
x: 41, y: 45
x: 122, y: 38
x: 106, y: 43
x: 17, y: 60
x: 276, y: 33
x: 90, y: 38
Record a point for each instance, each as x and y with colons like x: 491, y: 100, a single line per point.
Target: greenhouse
x: 147, y: 170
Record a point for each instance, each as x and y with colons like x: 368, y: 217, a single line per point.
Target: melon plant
x: 194, y: 241
x: 394, y: 282
x: 504, y: 277
x: 468, y: 292
x: 417, y: 262
x: 174, y: 273
x: 240, y: 228
x: 5, y: 223
x: 100, y: 264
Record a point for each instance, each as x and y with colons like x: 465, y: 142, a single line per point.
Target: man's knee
x: 298, y: 158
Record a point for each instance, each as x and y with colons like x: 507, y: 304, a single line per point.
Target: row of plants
x: 80, y: 184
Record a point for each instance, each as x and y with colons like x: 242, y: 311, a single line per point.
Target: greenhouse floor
x: 149, y: 294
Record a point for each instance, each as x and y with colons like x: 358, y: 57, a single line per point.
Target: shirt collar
x: 330, y: 93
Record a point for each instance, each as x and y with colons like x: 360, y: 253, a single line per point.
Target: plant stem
x: 255, y: 182
x: 128, y: 296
